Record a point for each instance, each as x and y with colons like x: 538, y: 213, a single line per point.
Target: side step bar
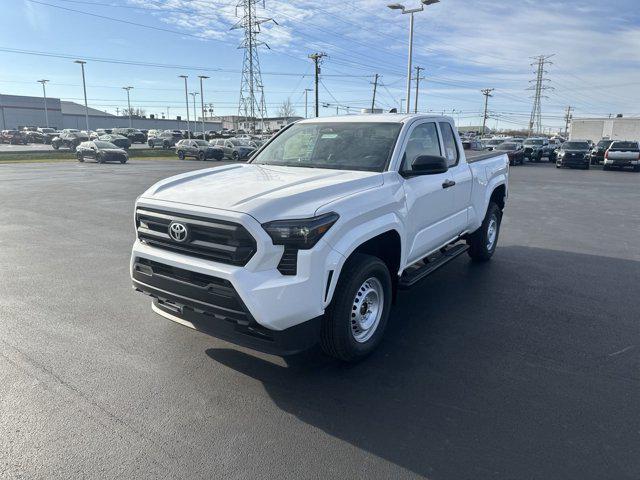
x: 415, y: 274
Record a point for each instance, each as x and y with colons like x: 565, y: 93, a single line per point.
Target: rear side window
x: 449, y: 142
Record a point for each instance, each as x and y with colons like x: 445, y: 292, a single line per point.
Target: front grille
x: 214, y: 295
x: 217, y: 240
x: 289, y: 262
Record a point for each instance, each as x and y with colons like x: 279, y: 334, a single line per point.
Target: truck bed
x: 477, y: 155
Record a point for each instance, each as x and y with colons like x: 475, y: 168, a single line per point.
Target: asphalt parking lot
x: 523, y: 368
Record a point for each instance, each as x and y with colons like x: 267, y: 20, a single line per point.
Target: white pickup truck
x: 309, y: 241
x: 622, y: 154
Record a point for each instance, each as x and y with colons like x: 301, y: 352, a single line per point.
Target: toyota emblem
x: 178, y: 231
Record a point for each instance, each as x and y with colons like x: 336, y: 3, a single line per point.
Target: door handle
x: 448, y: 183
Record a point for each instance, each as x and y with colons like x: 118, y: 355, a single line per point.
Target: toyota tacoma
x: 310, y: 240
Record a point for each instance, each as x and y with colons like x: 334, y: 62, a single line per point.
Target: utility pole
x: 129, y: 105
x: 195, y: 118
x: 317, y: 61
x: 375, y: 86
x: 202, y: 77
x: 415, y: 108
x: 44, y: 93
x: 186, y: 101
x: 567, y: 118
x: 539, y: 87
x: 84, y: 87
x: 117, y: 111
x: 487, y: 93
x: 306, y: 91
x: 401, y: 102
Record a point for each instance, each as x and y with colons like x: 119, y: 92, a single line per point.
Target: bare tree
x: 135, y: 112
x: 286, y: 109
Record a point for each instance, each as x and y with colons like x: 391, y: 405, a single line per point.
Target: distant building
x: 617, y: 128
x: 18, y: 111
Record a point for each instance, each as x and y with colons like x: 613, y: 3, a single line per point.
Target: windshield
x: 604, y: 143
x: 105, y: 145
x: 507, y: 146
x: 624, y: 146
x: 341, y: 145
x: 575, y: 146
x: 533, y: 142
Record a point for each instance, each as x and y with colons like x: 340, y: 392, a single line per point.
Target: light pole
x: 306, y: 91
x: 202, y: 77
x: 399, y: 6
x: 44, y: 93
x: 195, y: 119
x: 129, y: 105
x: 84, y: 87
x: 186, y: 101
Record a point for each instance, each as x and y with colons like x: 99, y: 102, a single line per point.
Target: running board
x: 415, y: 274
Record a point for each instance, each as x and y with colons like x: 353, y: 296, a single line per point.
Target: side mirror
x: 427, y: 165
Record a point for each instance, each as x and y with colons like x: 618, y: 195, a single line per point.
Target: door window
x: 422, y: 141
x: 450, y: 145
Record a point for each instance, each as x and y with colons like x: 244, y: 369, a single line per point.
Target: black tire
x: 201, y: 156
x: 123, y: 161
x: 478, y: 241
x: 165, y: 146
x: 235, y: 156
x: 636, y: 168
x: 151, y: 145
x: 79, y: 157
x: 99, y: 158
x: 181, y: 155
x: 586, y: 167
x: 558, y: 166
x: 55, y: 146
x: 337, y: 337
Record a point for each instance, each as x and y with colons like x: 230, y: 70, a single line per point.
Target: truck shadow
x: 503, y: 370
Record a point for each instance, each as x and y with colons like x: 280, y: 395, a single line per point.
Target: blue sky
x: 464, y: 46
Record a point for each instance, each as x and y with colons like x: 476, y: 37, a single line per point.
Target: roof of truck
x: 373, y: 117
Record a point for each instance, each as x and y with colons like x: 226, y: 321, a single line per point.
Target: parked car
x: 13, y: 137
x: 574, y: 153
x: 622, y: 154
x: 472, y: 144
x: 153, y: 133
x: 200, y: 149
x: 101, y: 152
x: 234, y: 148
x: 514, y: 152
x: 596, y: 155
x: 309, y: 242
x: 104, y: 131
x: 69, y: 140
x: 133, y: 134
x: 34, y: 136
x: 118, y: 140
x: 166, y: 139
x: 49, y: 134
x: 536, y: 148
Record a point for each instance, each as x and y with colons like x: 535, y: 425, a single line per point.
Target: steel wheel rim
x: 492, y: 232
x: 366, y: 310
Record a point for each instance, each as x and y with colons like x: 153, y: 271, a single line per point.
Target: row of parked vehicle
x: 237, y: 148
x: 572, y: 153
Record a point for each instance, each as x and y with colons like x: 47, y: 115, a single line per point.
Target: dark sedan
x: 101, y: 152
x: 514, y: 151
x: 574, y: 153
x: 69, y: 140
x: 118, y: 140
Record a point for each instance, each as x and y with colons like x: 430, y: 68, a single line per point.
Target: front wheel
x: 201, y: 156
x: 482, y: 243
x: 181, y: 155
x: 80, y: 157
x: 235, y: 156
x: 354, y: 323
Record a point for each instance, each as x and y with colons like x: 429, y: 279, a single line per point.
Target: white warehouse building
x: 617, y: 128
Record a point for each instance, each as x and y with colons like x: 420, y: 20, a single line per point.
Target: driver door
x: 430, y: 200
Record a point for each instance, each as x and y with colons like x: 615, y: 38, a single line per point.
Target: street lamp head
x: 429, y: 2
x: 81, y: 62
x: 203, y: 77
x: 127, y: 88
x: 395, y: 6
x: 43, y: 81
x: 183, y: 76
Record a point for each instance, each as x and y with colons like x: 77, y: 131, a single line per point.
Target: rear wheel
x: 181, y: 155
x: 100, y: 158
x: 636, y: 168
x: 606, y: 167
x: 354, y: 323
x: 482, y: 243
x: 235, y: 156
x: 79, y: 157
x: 201, y: 156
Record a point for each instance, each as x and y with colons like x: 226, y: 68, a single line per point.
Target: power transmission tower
x: 375, y: 87
x: 567, y: 119
x: 317, y: 61
x: 487, y: 93
x: 251, y: 77
x: 540, y: 86
x: 418, y: 78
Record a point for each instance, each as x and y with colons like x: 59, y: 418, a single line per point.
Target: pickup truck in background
x: 310, y: 240
x: 537, y: 148
x: 621, y: 155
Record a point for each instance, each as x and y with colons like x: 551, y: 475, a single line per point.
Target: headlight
x: 302, y: 233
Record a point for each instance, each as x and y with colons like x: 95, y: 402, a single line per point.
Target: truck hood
x: 265, y: 192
